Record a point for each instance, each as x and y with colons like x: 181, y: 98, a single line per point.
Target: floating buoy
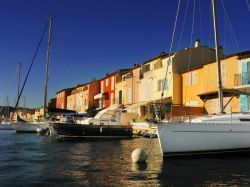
x: 139, y: 155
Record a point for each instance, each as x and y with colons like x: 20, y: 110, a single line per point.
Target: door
x: 120, y: 97
x: 243, y: 103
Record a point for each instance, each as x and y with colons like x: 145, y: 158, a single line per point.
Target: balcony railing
x: 241, y: 79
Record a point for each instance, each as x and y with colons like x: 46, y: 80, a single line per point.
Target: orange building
x: 61, y: 98
x: 106, y: 96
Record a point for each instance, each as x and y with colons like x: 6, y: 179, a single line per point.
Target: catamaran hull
x: 180, y: 139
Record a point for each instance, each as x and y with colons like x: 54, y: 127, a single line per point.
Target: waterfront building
x: 200, y: 84
x: 61, y: 98
x: 82, y: 96
x: 164, y: 72
x: 107, y: 97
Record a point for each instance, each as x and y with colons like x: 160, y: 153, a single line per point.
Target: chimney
x: 197, y: 43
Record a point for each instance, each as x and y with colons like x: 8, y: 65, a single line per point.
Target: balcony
x: 241, y: 79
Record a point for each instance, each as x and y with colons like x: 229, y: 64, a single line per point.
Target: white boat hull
x: 29, y: 127
x: 199, y: 138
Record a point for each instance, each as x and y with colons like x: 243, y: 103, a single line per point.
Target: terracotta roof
x: 65, y: 89
x: 161, y: 55
x: 124, y: 71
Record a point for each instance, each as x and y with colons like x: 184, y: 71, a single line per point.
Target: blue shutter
x: 243, y: 103
x: 244, y: 73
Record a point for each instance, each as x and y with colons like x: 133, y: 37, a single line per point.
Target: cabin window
x: 194, y: 78
x: 188, y: 79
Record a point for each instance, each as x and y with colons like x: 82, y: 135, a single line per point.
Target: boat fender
x: 139, y: 155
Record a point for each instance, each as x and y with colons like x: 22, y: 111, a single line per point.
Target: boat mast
x: 45, y: 107
x: 19, y: 80
x: 216, y: 38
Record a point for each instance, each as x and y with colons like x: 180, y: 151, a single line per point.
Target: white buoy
x: 139, y: 155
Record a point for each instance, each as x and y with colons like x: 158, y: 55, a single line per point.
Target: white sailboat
x: 224, y: 133
x: 29, y: 127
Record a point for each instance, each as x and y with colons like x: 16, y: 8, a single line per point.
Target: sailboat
x: 224, y: 133
x: 23, y: 126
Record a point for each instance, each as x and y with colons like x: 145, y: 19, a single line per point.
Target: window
x: 120, y: 97
x: 112, y: 99
x: 146, y: 68
x: 129, y: 95
x: 162, y: 84
x: 188, y: 79
x: 159, y: 85
x: 107, y: 82
x: 223, y: 74
x: 101, y: 86
x: 194, y: 78
x: 158, y: 65
x: 113, y: 83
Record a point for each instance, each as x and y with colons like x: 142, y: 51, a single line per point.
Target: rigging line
x: 170, y: 50
x: 184, y: 21
x: 8, y: 90
x: 230, y: 24
x: 230, y: 35
x: 224, y: 37
x: 32, y: 62
x: 190, y: 51
x: 248, y: 5
x: 201, y: 33
x: 209, y: 41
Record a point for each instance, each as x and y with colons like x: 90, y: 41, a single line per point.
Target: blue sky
x: 92, y: 37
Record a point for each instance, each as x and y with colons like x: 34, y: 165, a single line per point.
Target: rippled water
x: 33, y: 160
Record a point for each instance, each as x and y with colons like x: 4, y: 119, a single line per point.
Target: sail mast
x: 216, y: 38
x: 45, y: 107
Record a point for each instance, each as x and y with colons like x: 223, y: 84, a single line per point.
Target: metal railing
x: 241, y: 79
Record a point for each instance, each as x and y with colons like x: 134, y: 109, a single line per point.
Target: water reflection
x: 28, y: 160
x: 139, y: 166
x: 225, y: 171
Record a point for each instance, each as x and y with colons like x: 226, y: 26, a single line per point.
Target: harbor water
x: 33, y: 160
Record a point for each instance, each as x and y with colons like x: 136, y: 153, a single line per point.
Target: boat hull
x: 28, y: 127
x: 5, y: 127
x: 92, y: 131
x: 180, y: 139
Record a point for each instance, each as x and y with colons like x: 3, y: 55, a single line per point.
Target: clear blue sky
x: 92, y: 37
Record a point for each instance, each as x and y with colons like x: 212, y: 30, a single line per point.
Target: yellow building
x: 200, y: 85
x: 121, y: 88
